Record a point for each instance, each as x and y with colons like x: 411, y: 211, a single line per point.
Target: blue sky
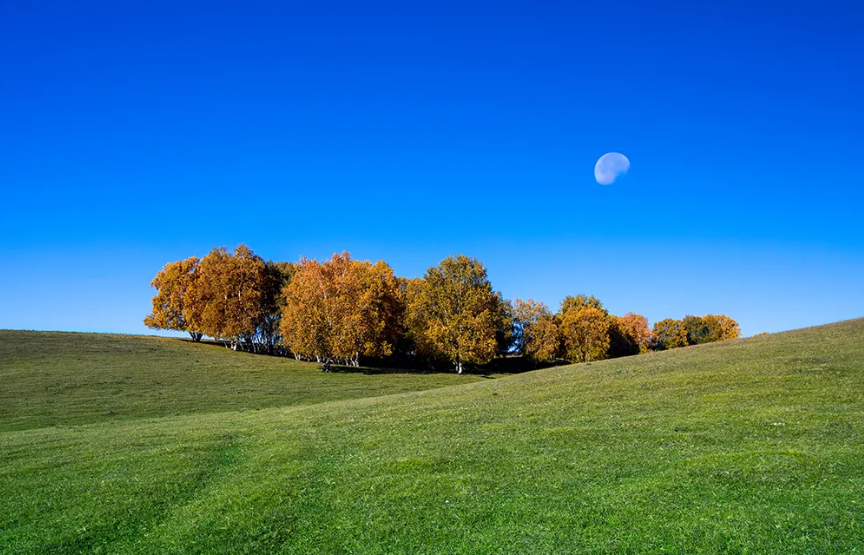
x: 137, y: 133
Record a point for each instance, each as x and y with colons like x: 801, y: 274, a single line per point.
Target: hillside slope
x: 749, y: 446
x: 61, y: 379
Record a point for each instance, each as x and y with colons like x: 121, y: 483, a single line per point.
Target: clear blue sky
x: 137, y: 133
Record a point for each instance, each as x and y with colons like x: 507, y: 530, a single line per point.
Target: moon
x: 609, y: 167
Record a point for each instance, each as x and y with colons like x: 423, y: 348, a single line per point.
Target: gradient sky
x: 137, y: 133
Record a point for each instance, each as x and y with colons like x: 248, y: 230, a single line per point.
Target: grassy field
x: 62, y: 379
x: 749, y: 446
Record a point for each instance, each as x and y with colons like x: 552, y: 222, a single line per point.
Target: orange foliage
x: 173, y: 309
x: 630, y: 335
x: 342, y: 309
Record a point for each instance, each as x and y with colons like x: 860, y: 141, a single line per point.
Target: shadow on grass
x: 511, y: 364
x: 376, y: 370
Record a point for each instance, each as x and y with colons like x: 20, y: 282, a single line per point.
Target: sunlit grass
x: 57, y: 379
x: 750, y: 446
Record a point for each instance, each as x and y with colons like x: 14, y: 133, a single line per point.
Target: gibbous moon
x: 610, y: 166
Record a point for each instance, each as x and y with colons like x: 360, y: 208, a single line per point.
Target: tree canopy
x: 340, y: 309
x: 536, y: 335
x: 173, y: 309
x: 455, y: 315
x: 585, y: 332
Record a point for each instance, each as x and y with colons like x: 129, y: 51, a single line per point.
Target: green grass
x: 749, y: 446
x: 57, y: 379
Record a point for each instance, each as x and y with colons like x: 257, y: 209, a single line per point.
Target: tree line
x: 341, y: 309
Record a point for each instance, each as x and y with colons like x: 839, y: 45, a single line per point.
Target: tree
x: 525, y: 315
x: 696, y: 329
x: 173, y: 307
x: 636, y: 326
x: 581, y: 301
x: 384, y: 308
x: 305, y: 323
x: 452, y: 315
x: 669, y: 334
x: 720, y: 327
x: 536, y: 335
x: 230, y: 294
x: 545, y: 343
x: 342, y: 309
x: 585, y: 333
x: 629, y: 335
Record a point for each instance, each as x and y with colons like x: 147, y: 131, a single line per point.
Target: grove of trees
x: 340, y: 310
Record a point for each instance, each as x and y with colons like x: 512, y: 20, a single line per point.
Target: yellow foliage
x: 585, y: 332
x: 537, y: 335
x: 453, y: 312
x: 722, y: 326
x: 670, y: 334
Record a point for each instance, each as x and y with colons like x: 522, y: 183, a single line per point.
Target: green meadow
x: 62, y: 379
x: 119, y: 444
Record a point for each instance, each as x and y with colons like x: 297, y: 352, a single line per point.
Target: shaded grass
x: 54, y: 378
x: 751, y: 446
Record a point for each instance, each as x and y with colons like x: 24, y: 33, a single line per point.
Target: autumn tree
x: 584, y: 325
x: 525, y: 315
x: 230, y: 294
x: 720, y: 327
x: 629, y: 335
x: 545, y: 344
x: 341, y: 309
x: 636, y: 326
x: 729, y: 328
x: 536, y: 335
x: 581, y: 301
x: 585, y: 333
x: 669, y: 334
x: 453, y: 312
x: 305, y: 325
x: 385, y: 307
x: 173, y: 308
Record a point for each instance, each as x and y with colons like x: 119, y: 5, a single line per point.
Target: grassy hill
x: 61, y: 379
x: 749, y: 446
